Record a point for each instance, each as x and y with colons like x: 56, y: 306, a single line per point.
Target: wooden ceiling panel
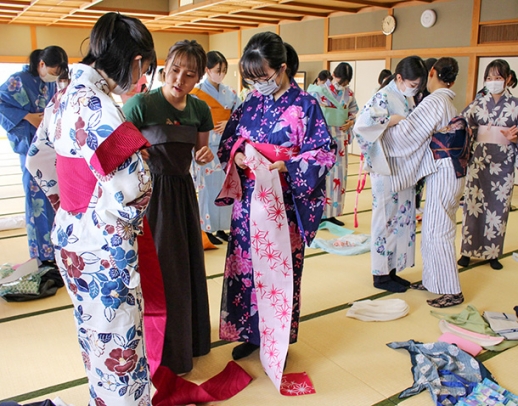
x: 209, y: 16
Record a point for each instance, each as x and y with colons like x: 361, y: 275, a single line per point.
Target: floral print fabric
x: 336, y: 179
x: 393, y: 226
x: 445, y: 370
x: 489, y: 180
x: 293, y: 121
x: 96, y: 250
x: 24, y: 93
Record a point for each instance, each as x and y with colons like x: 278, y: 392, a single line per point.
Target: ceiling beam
x: 369, y: 3
x: 319, y: 7
x: 259, y: 13
x: 290, y: 11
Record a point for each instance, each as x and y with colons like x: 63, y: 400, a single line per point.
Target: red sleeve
x: 119, y: 146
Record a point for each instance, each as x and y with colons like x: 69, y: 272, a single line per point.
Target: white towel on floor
x: 378, y: 310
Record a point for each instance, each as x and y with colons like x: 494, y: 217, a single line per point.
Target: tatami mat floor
x: 347, y: 360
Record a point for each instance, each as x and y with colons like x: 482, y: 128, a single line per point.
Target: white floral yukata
x: 85, y: 158
x: 490, y: 178
x: 393, y: 212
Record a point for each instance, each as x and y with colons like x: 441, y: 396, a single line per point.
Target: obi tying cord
x: 378, y: 310
x: 362, y: 177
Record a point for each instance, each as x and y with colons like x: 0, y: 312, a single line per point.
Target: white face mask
x: 267, y: 88
x: 48, y: 78
x: 495, y: 86
x: 338, y: 86
x: 410, y: 91
x: 216, y: 77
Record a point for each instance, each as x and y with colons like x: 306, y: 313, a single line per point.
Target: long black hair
x: 53, y: 57
x: 410, y: 68
x: 267, y: 47
x: 115, y: 41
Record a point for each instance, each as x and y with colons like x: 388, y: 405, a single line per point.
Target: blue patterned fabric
x: 21, y: 94
x: 445, y: 370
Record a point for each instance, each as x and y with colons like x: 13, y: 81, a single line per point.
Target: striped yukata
x: 393, y: 212
x: 443, y: 188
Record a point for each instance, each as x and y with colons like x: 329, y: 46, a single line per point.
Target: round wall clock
x: 428, y: 18
x: 388, y: 25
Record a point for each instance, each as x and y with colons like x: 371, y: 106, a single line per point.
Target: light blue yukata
x: 393, y: 226
x: 209, y: 178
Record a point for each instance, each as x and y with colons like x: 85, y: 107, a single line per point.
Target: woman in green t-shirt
x: 176, y: 315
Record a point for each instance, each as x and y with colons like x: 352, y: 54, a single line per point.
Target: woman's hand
x: 394, y: 119
x: 203, y: 156
x: 220, y: 127
x: 239, y: 159
x: 511, y: 133
x: 279, y: 165
x: 34, y: 119
x: 348, y: 124
x: 145, y: 154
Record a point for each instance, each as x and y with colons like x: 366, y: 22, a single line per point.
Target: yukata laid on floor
x: 86, y: 159
x: 338, y: 107
x: 490, y: 178
x: 24, y: 93
x: 209, y: 178
x: 291, y: 129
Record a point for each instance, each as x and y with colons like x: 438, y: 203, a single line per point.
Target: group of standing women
x: 403, y: 144
x: 127, y: 215
x: 126, y: 210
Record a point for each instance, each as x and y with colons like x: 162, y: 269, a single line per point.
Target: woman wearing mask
x: 87, y: 160
x: 175, y: 123
x: 339, y: 107
x: 22, y: 101
x: 222, y: 101
x: 276, y: 150
x: 493, y: 118
x: 434, y: 127
x: 323, y: 77
x: 393, y: 199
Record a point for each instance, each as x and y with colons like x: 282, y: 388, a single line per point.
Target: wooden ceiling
x: 205, y: 17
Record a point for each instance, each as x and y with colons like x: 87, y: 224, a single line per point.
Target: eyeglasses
x: 254, y: 81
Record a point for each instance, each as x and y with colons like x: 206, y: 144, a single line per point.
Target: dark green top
x: 147, y: 109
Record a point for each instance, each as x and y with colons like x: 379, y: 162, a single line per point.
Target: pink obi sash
x: 76, y: 183
x: 492, y: 134
x: 271, y: 261
x: 273, y: 153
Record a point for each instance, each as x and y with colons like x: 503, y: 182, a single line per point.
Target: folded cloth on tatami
x: 505, y: 324
x: 378, y: 310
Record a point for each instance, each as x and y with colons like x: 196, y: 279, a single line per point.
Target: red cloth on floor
x: 171, y: 389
